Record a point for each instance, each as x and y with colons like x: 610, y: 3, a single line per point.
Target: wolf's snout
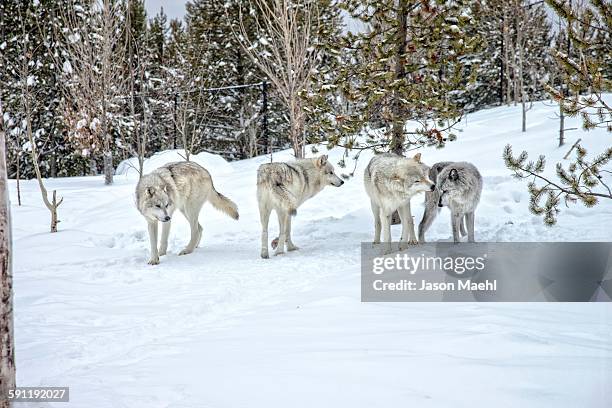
x: 433, y: 187
x: 341, y: 182
x: 166, y: 218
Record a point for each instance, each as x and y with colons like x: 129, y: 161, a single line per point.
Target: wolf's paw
x: 265, y: 255
x: 186, y: 251
x: 153, y: 261
x: 376, y: 241
x: 162, y: 252
x: 278, y: 252
x: 291, y: 247
x: 413, y: 241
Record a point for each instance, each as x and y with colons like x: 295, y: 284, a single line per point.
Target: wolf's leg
x: 469, y: 219
x: 456, y: 219
x: 462, y: 225
x: 283, y: 215
x: 376, y: 214
x: 290, y: 245
x: 429, y: 215
x: 153, y: 241
x: 385, y: 221
x: 408, y: 236
x: 192, y: 215
x: 264, y: 216
x: 163, y: 245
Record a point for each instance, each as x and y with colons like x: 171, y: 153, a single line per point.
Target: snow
x: 67, y: 67
x: 94, y: 124
x: 216, y: 164
x: 223, y: 328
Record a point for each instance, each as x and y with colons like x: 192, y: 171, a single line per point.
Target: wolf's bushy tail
x: 223, y: 204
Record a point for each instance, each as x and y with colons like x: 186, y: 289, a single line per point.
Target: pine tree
x: 587, y: 76
x: 404, y: 67
x: 495, y: 66
x: 40, y: 24
x: 160, y: 99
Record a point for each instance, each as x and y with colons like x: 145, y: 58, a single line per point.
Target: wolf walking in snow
x: 459, y: 185
x: 391, y: 181
x: 283, y: 187
x: 185, y: 186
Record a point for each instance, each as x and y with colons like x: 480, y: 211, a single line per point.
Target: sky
x: 172, y: 8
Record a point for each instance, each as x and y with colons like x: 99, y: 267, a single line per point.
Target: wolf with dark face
x: 283, y: 187
x: 390, y: 181
x: 458, y: 187
x: 183, y: 186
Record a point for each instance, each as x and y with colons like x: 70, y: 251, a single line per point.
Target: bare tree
x: 285, y: 53
x: 136, y: 69
x: 27, y: 83
x: 191, y: 115
x: 95, y: 80
x: 7, y: 339
x: 54, y: 203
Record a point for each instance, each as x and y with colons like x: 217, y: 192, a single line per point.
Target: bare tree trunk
x: 108, y: 153
x: 18, y: 177
x: 296, y: 118
x: 521, y: 21
x: 397, y: 131
x: 7, y: 339
x: 507, y: 46
x: 561, y: 127
x: 522, y: 86
x: 51, y: 206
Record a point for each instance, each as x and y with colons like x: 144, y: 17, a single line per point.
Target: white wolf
x: 459, y: 185
x: 283, y: 187
x: 390, y: 181
x: 185, y: 186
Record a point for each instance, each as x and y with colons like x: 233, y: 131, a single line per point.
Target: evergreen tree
x: 404, y: 67
x: 27, y: 34
x: 495, y: 66
x: 584, y: 71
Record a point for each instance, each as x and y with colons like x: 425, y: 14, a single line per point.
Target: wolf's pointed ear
x: 150, y: 191
x: 321, y: 161
x: 453, y: 175
x: 417, y: 157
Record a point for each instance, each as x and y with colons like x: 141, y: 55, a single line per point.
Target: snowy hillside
x: 223, y: 328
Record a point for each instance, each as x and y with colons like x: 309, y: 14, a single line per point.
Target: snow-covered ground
x: 223, y: 328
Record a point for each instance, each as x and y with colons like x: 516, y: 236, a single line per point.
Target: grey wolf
x: 183, y: 186
x: 390, y: 181
x: 431, y: 203
x: 459, y: 185
x: 283, y: 187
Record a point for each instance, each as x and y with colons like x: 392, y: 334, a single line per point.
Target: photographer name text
x: 426, y: 286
